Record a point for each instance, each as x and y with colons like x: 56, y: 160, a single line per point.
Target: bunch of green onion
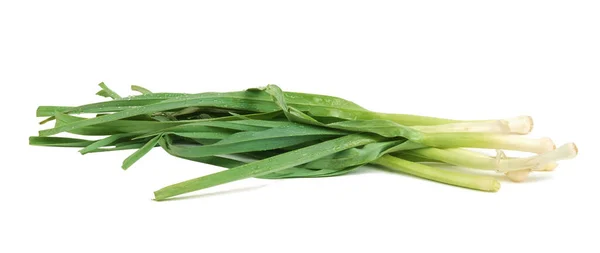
x: 267, y: 133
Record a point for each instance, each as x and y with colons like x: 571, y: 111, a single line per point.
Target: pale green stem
x: 414, y: 120
x: 476, y: 160
x: 497, y: 126
x: 477, y: 182
x: 489, y: 141
x: 518, y: 125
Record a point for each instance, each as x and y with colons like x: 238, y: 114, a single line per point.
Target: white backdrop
x: 456, y: 59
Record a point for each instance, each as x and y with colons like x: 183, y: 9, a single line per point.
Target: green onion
x: 268, y: 133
